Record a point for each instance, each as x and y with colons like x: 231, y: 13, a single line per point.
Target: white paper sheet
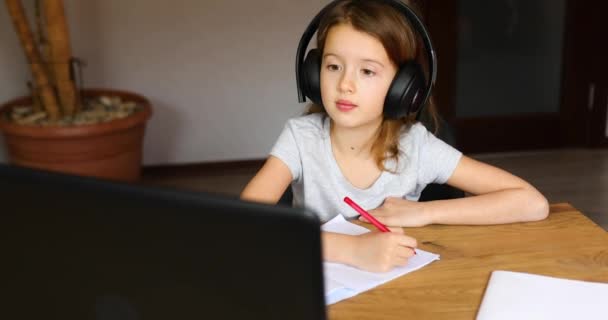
x: 515, y: 295
x: 342, y: 281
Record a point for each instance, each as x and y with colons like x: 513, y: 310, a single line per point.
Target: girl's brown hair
x: 392, y: 29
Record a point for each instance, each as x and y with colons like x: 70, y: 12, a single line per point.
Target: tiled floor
x: 577, y: 176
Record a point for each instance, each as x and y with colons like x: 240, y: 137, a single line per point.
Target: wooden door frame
x: 575, y: 76
x: 597, y: 53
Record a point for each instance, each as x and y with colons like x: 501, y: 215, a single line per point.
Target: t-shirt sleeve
x: 288, y: 151
x: 438, y: 160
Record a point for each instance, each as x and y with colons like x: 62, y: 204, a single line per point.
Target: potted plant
x: 60, y: 127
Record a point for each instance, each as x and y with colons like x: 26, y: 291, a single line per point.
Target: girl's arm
x: 269, y: 184
x: 372, y: 251
x: 498, y: 197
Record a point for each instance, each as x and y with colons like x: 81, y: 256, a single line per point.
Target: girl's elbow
x: 539, y: 207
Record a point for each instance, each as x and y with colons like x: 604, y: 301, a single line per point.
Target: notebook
x: 515, y: 295
x: 79, y: 248
x: 342, y: 281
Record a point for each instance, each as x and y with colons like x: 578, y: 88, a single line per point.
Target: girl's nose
x: 346, y: 85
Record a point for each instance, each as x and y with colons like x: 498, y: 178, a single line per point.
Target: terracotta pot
x: 110, y: 150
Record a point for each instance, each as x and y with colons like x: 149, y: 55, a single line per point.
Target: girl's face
x: 356, y: 73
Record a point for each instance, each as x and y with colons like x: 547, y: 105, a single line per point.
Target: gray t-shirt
x: 318, y: 184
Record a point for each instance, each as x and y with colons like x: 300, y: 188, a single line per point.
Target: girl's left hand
x: 401, y: 213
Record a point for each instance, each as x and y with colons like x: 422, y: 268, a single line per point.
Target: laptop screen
x: 80, y: 248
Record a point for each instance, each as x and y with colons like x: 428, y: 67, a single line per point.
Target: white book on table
x: 343, y: 281
x: 515, y: 295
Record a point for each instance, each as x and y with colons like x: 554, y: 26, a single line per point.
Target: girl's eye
x: 368, y: 72
x: 333, y: 67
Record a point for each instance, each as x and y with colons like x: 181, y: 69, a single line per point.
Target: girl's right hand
x: 383, y: 251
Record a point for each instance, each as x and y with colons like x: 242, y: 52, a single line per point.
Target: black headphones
x: 408, y: 92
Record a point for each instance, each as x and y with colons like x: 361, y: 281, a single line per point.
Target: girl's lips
x: 344, y: 105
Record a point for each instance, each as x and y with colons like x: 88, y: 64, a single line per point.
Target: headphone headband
x: 398, y: 5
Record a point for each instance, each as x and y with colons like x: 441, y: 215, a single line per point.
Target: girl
x: 347, y: 147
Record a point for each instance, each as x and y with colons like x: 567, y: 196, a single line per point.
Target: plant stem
x: 60, y: 54
x: 39, y: 73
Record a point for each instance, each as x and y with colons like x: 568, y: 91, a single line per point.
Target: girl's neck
x: 354, y: 141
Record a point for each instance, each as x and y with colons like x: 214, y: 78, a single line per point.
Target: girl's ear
x: 311, y: 76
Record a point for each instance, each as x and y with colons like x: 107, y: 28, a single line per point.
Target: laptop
x: 81, y: 248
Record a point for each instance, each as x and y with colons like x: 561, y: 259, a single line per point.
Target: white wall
x: 220, y: 74
x: 13, y: 68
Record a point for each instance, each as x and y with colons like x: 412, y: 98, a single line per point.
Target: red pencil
x: 366, y: 214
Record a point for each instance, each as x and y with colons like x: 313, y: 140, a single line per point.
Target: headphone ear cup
x: 311, y: 76
x: 406, y: 92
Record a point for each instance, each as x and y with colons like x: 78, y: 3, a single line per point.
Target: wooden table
x: 566, y: 244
